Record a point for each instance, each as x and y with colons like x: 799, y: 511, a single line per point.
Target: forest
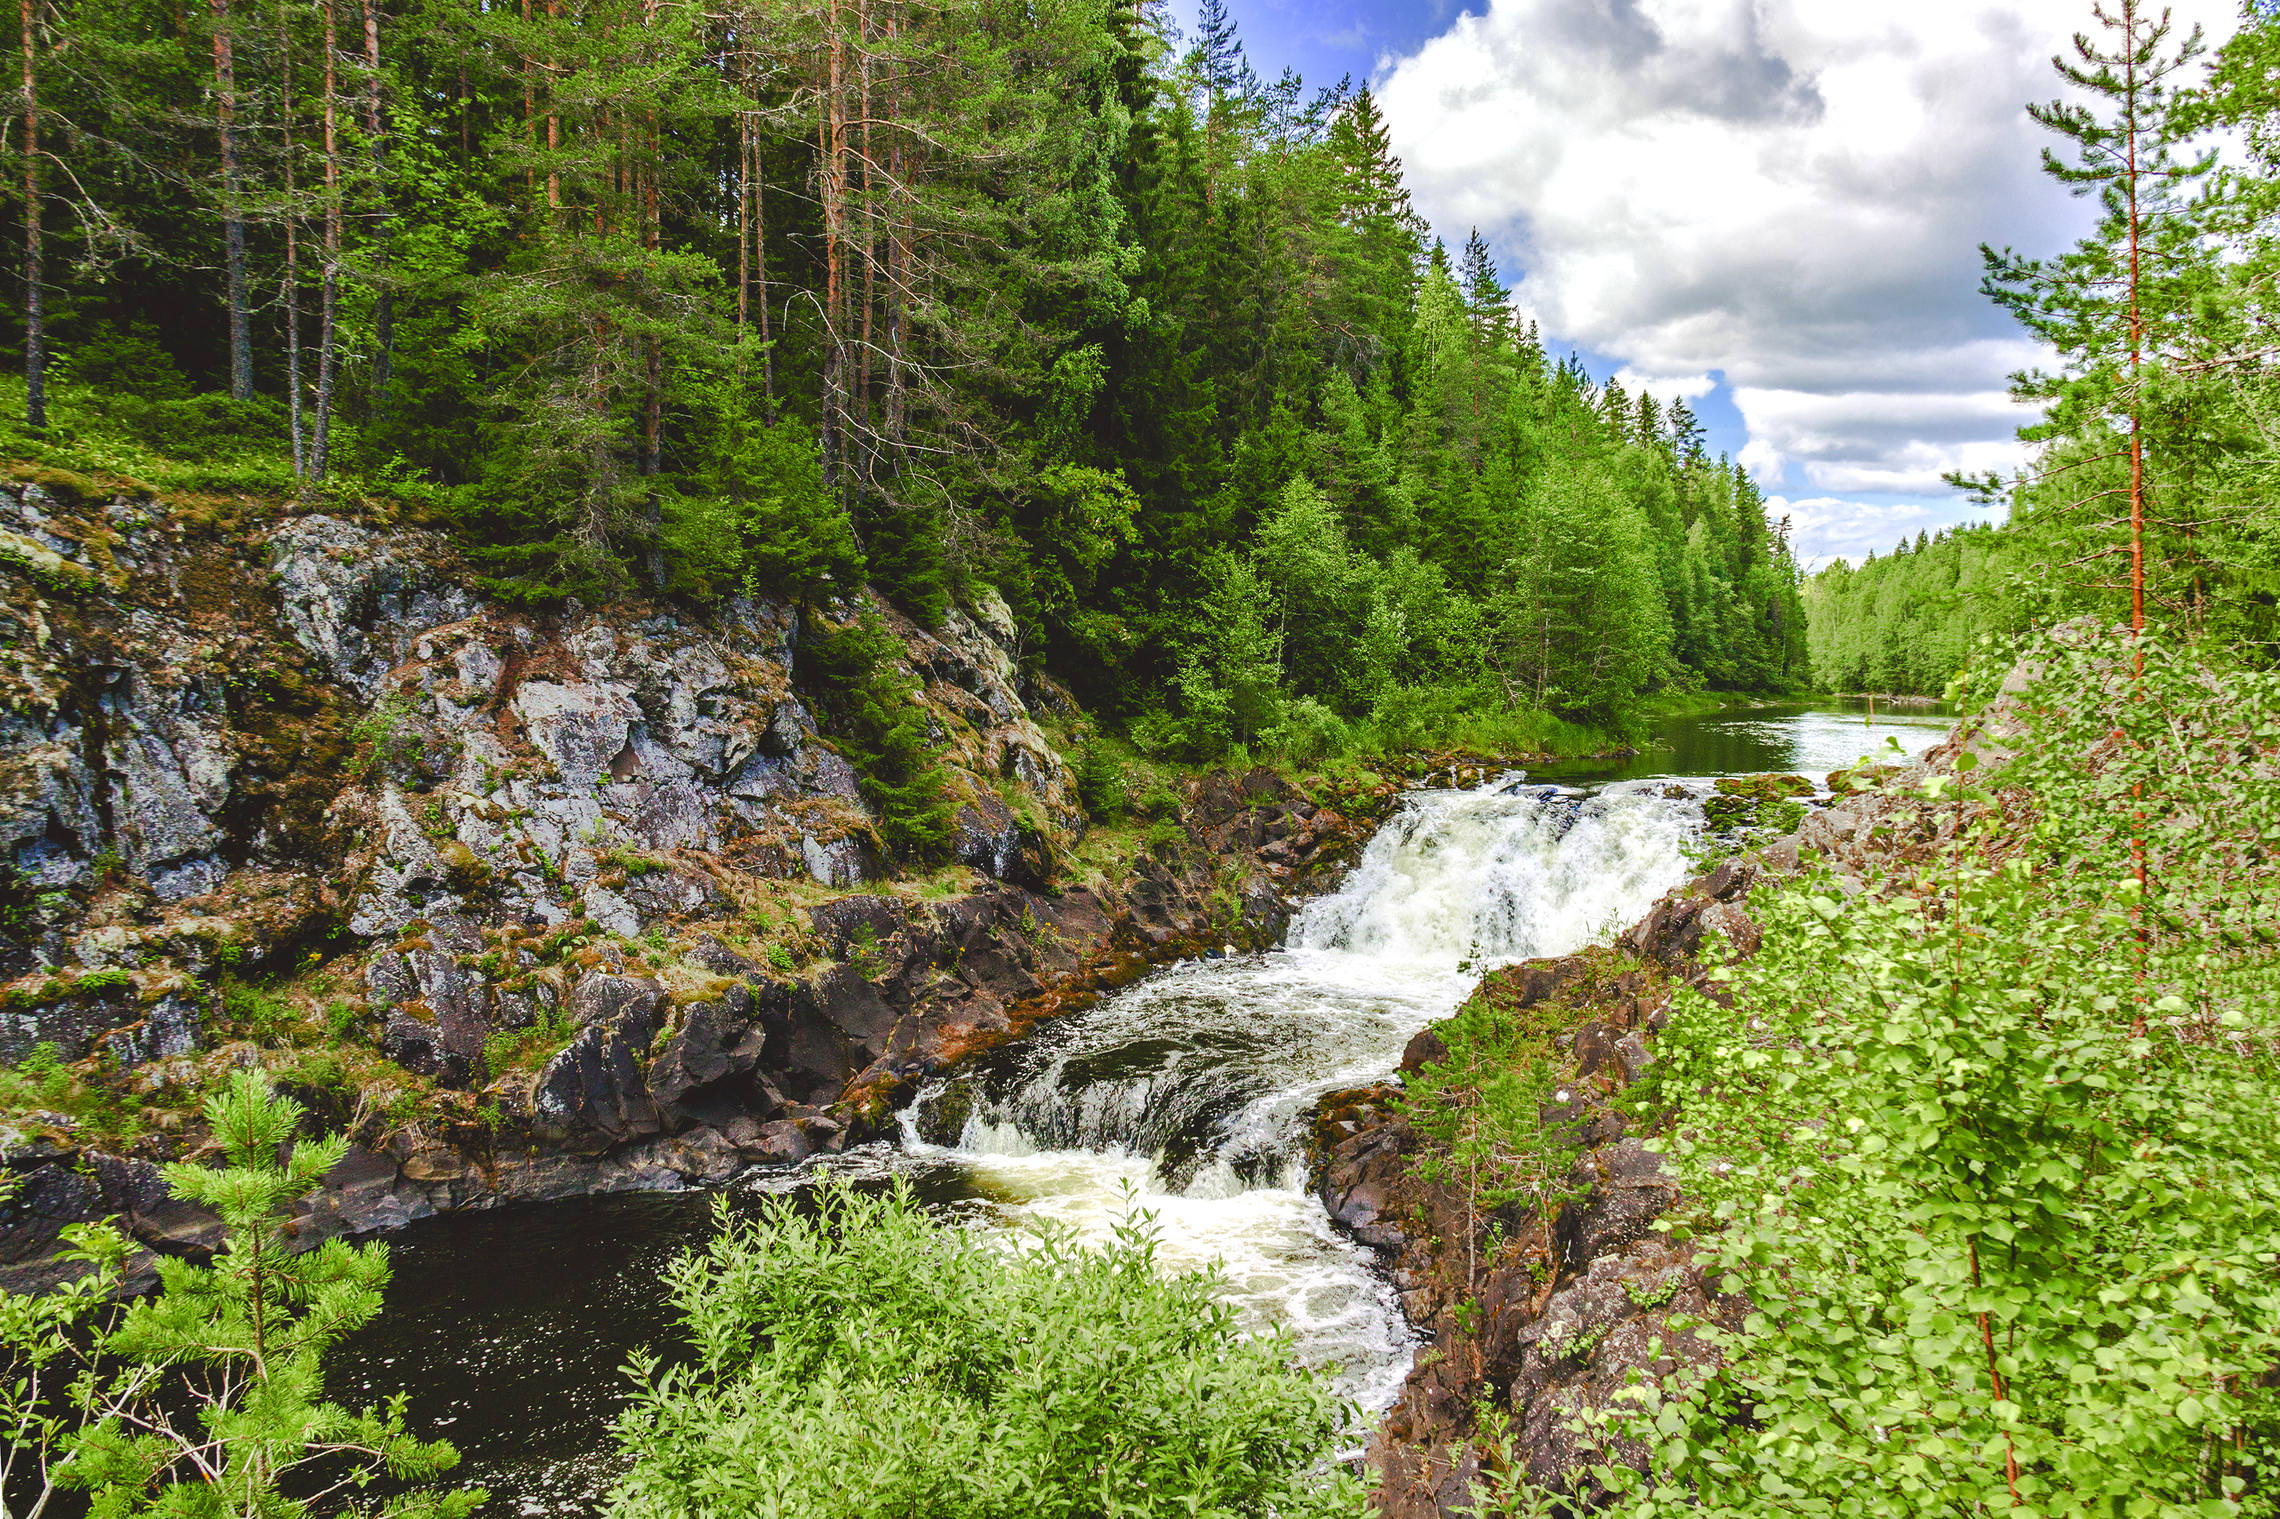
x: 1895, y: 1140
x: 780, y: 297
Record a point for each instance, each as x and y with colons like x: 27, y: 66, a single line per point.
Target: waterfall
x: 1509, y: 872
x: 1185, y: 1093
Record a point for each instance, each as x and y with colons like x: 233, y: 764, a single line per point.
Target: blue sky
x: 1773, y: 207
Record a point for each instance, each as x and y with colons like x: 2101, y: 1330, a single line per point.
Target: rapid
x: 1184, y: 1096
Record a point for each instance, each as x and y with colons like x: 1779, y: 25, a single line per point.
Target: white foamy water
x: 1185, y: 1094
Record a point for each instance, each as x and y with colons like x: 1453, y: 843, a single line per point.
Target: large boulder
x: 595, y: 1092
x: 355, y: 599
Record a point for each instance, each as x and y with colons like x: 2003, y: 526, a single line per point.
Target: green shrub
x: 1992, y: 1144
x: 343, y: 1019
x: 207, y: 1397
x: 1160, y: 801
x: 1164, y: 837
x: 764, y: 521
x: 876, y: 723
x: 1308, y: 731
x: 1100, y: 784
x: 386, y: 742
x: 1483, y: 1107
x: 870, y: 1361
x: 95, y: 983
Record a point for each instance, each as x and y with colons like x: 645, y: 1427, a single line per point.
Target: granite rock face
x: 187, y: 704
x: 240, y: 745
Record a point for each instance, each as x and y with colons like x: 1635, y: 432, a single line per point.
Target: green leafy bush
x: 1992, y: 1146
x: 870, y: 1361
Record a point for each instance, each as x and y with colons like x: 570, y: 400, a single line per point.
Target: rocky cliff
x: 528, y: 904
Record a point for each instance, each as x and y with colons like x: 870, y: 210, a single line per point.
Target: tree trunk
x: 291, y: 294
x: 898, y: 268
x: 384, y: 300
x: 833, y: 169
x: 35, y: 300
x: 233, y: 216
x: 870, y: 242
x: 328, y: 298
x: 743, y: 193
x: 553, y: 131
x: 760, y: 268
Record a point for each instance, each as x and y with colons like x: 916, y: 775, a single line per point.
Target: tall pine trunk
x: 870, y: 244
x: 895, y: 314
x: 833, y: 167
x: 35, y: 298
x: 328, y: 298
x: 233, y: 210
x: 384, y: 299
x: 290, y: 295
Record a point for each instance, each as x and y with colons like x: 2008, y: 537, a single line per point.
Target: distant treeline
x: 1906, y: 622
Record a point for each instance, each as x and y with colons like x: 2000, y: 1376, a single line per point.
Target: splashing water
x: 1184, y: 1095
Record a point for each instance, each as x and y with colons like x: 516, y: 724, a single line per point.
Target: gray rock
x: 717, y: 1045
x: 612, y: 911
x: 353, y: 601
x: 170, y: 1027
x: 838, y: 863
x: 593, y: 1094
x: 581, y: 728
x: 170, y: 773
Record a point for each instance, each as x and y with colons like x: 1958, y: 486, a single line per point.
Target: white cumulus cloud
x: 1790, y: 192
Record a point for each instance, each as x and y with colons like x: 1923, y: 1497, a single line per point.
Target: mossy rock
x: 1764, y: 802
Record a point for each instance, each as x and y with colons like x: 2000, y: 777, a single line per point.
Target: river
x: 1183, y: 1095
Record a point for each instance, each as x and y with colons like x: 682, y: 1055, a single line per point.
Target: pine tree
x: 209, y: 1397
x: 1485, y: 296
x: 2119, y: 297
x: 1220, y: 60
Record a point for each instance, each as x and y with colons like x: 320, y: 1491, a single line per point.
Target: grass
x: 41, y: 1081
x: 527, y: 1048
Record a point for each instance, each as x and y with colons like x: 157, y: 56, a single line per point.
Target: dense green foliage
x: 1990, y: 1147
x: 881, y: 730
x: 1909, y: 622
x: 786, y: 296
x: 872, y: 1360
x: 207, y: 1399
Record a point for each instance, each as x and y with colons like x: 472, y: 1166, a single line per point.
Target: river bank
x: 1537, y: 1324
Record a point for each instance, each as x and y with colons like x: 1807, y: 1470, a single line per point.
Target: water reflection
x: 1806, y: 738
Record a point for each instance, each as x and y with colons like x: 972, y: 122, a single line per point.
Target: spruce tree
x: 208, y: 1399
